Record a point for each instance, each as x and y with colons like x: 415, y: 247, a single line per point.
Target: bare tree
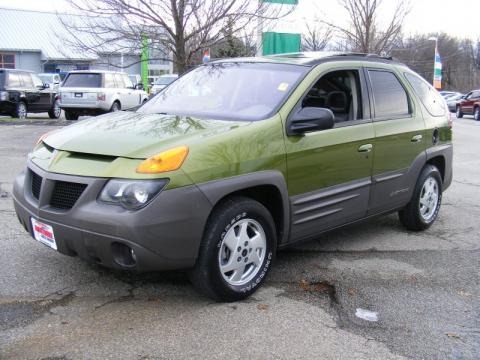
x: 180, y: 27
x: 317, y: 37
x: 364, y: 32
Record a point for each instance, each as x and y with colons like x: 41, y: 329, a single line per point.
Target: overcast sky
x: 458, y: 18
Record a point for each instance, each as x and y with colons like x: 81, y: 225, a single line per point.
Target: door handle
x: 365, y: 148
x: 416, y: 138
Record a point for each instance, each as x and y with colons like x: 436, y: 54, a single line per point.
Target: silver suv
x: 96, y: 92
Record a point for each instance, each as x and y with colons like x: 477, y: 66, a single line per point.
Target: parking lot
x: 424, y: 288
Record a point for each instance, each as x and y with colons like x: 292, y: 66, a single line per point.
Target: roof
x: 311, y: 58
x: 36, y: 31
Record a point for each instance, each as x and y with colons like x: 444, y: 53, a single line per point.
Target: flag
x: 437, y: 71
x: 281, y: 36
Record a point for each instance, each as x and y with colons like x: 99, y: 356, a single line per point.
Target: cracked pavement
x: 423, y: 286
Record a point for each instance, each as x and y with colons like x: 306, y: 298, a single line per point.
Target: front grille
x: 36, y: 184
x: 65, y: 194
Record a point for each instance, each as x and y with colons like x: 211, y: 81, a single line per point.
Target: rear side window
x: 14, y: 80
x: 430, y: 98
x: 109, y: 81
x: 83, y: 80
x: 390, y: 98
x: 119, y: 81
x: 2, y: 79
x: 127, y: 81
x: 27, y: 80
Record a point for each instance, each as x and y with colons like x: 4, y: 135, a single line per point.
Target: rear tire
x: 237, y: 250
x: 476, y: 113
x: 55, y: 111
x: 70, y: 115
x: 115, y: 107
x: 422, y: 210
x: 20, y: 110
x: 458, y: 112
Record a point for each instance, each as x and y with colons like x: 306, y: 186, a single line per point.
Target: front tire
x: 237, y: 250
x: 55, y: 111
x: 459, y: 113
x: 20, y: 110
x: 422, y: 210
x: 476, y: 113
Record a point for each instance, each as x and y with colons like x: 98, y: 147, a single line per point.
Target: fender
x: 216, y: 190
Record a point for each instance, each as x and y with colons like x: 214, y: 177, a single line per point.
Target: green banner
x: 280, y: 43
x: 290, y: 2
x: 144, y: 63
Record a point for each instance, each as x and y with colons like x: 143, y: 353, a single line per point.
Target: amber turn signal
x: 165, y: 161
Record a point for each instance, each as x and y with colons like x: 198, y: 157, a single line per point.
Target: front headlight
x: 131, y: 194
x: 4, y: 96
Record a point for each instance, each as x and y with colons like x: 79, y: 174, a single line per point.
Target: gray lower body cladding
x: 164, y: 235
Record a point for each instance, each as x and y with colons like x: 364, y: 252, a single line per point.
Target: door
x: 399, y: 140
x: 45, y: 95
x: 126, y: 97
x: 329, y: 171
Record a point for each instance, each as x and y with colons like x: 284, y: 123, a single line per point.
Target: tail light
x: 101, y: 96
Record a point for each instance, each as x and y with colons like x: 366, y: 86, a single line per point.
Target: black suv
x: 22, y: 91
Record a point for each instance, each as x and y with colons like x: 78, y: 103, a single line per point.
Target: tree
x: 181, y: 27
x: 316, y: 38
x: 364, y: 33
x: 458, y: 59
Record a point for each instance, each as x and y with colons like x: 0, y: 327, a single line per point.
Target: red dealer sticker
x: 44, y: 233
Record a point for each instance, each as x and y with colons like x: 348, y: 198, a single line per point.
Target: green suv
x: 237, y: 159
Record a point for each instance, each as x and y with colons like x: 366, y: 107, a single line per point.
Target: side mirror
x: 139, y: 86
x: 310, y: 119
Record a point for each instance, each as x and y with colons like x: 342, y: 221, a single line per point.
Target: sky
x: 426, y: 16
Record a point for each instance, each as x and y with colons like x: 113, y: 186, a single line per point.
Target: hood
x: 136, y: 135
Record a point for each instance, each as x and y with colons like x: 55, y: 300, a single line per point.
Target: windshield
x: 165, y: 80
x: 83, y: 80
x: 229, y: 91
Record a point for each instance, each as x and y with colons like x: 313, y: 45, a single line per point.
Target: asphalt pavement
x: 422, y: 288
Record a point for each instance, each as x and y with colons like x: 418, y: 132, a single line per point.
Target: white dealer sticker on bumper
x: 44, y: 233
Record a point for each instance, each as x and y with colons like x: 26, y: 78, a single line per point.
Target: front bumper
x: 164, y: 235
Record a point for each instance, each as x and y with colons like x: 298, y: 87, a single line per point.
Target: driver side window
x: 338, y: 91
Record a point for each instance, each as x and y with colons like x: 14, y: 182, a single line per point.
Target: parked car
x: 469, y: 105
x: 452, y: 101
x: 446, y: 94
x: 161, y: 82
x: 89, y: 92
x: 237, y: 159
x: 452, y: 95
x: 53, y: 80
x: 23, y: 92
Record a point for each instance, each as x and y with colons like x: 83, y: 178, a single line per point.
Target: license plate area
x: 78, y: 95
x: 43, y: 233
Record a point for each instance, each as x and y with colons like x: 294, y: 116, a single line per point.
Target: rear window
x: 390, y: 98
x: 430, y: 98
x: 83, y: 80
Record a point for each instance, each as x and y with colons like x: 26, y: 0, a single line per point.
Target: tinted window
x: 14, y: 80
x: 26, y: 80
x: 233, y: 90
x: 430, y: 98
x: 390, y: 98
x: 119, y: 81
x: 84, y: 80
x: 2, y: 79
x: 109, y: 80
